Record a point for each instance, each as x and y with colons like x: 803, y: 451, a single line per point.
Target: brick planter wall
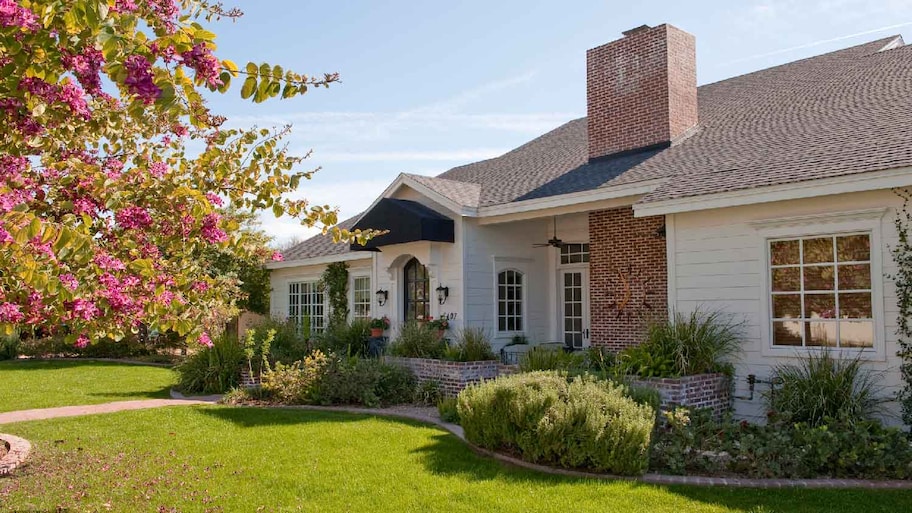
x: 452, y: 376
x: 700, y: 391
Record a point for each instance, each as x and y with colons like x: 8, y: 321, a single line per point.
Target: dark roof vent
x: 634, y: 30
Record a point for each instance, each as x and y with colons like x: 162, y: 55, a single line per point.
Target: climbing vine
x: 902, y: 256
x: 335, y: 284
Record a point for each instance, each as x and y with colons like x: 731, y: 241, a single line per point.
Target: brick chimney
x: 641, y: 90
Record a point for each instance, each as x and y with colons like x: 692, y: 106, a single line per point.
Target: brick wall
x: 701, y: 391
x: 451, y: 376
x: 628, y: 275
x: 641, y: 90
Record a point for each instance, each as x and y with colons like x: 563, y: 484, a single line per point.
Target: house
x: 766, y: 195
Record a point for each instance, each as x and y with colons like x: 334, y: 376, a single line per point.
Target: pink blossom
x: 214, y: 199
x: 139, y: 79
x: 133, y: 217
x: 179, y: 130
x: 85, y: 205
x: 108, y: 262
x: 68, y: 281
x: 83, y: 309
x: 113, y: 168
x: 277, y: 256
x: 5, y: 237
x: 43, y: 248
x: 87, y: 67
x: 14, y: 15
x: 200, y: 286
x: 206, y: 65
x: 124, y: 6
x: 11, y: 313
x: 165, y: 298
x: 158, y: 169
x: 204, y: 340
x: 82, y: 342
x: 210, y: 230
x: 73, y: 95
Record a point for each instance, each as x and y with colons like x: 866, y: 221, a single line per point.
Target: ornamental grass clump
x: 472, y: 345
x: 546, y: 417
x: 687, y: 345
x: 213, y: 370
x: 417, y: 341
x: 821, y: 388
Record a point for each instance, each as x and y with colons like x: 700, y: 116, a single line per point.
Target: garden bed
x: 703, y: 391
x: 450, y: 376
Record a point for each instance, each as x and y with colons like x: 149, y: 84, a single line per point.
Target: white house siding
x: 280, y: 278
x: 497, y: 247
x: 718, y: 262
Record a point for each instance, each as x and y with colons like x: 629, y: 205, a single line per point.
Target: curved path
x: 429, y: 416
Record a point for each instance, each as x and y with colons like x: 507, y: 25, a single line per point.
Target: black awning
x: 406, y: 221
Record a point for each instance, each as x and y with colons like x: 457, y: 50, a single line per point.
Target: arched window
x: 417, y: 291
x: 510, y: 301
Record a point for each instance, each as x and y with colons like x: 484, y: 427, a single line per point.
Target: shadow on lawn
x: 446, y: 455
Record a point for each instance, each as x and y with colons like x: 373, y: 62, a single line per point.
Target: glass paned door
x: 574, y: 286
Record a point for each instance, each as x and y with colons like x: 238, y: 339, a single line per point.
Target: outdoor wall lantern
x: 382, y: 296
x: 442, y: 294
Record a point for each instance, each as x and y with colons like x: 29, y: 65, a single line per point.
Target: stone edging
x: 19, y: 449
x: 651, y: 478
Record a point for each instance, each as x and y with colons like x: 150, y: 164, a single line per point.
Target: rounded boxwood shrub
x: 546, y: 417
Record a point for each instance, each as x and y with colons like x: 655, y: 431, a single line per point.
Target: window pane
x: 820, y: 306
x: 818, y: 250
x: 856, y: 334
x: 787, y: 279
x: 855, y: 306
x: 787, y: 306
x: 502, y: 324
x: 820, y: 277
x: 853, y: 248
x: 821, y: 334
x: 854, y: 277
x: 787, y: 333
x: 784, y: 252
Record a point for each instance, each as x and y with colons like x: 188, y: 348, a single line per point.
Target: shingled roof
x: 840, y: 113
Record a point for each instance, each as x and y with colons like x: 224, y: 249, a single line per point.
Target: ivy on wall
x: 335, y: 285
x: 902, y: 256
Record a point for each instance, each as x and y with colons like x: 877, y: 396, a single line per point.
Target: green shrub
x: 289, y: 343
x: 212, y: 370
x: 295, y: 383
x: 821, y: 387
x: 692, y: 443
x: 447, y: 408
x: 396, y: 385
x: 644, y: 395
x: 9, y: 347
x: 346, y: 339
x: 417, y: 341
x: 687, y: 345
x: 428, y: 392
x: 543, y: 359
x: 472, y: 345
x: 546, y: 418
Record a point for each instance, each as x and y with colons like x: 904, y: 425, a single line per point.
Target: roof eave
x: 319, y: 260
x: 857, y: 182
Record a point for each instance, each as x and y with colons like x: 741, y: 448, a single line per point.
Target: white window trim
x: 524, y: 317
x: 307, y: 279
x: 351, y: 295
x: 869, y: 221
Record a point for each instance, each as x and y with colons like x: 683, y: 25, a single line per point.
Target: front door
x: 574, y: 287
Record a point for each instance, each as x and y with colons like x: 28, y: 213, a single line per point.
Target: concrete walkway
x: 94, y: 409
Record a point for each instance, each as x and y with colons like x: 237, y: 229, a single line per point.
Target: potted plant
x: 439, y: 325
x: 378, y: 325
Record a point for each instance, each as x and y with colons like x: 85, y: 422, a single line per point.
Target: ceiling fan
x: 553, y: 242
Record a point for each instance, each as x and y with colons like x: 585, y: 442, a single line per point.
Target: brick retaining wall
x: 700, y: 391
x: 451, y: 376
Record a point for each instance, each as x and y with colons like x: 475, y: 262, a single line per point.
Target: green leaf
x: 249, y: 87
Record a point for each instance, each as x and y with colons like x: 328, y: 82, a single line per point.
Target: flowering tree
x: 103, y: 208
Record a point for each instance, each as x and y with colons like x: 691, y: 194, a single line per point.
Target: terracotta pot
x: 376, y: 332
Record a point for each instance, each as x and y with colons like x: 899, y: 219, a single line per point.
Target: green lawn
x: 240, y: 459
x: 45, y: 384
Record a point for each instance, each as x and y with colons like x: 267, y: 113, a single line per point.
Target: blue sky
x: 427, y: 86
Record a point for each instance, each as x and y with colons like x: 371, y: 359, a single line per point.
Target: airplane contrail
x: 817, y: 43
